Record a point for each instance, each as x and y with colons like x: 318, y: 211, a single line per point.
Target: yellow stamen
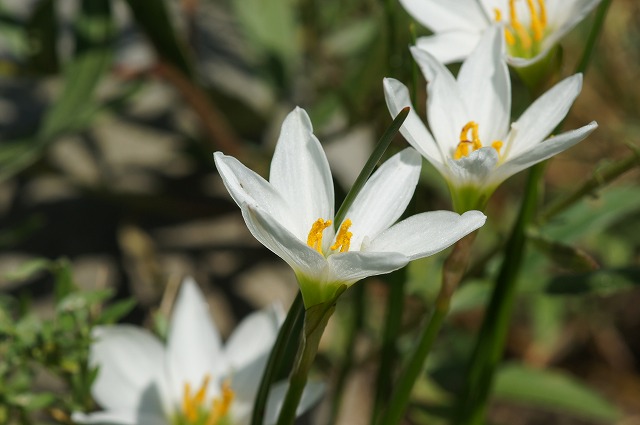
x: 543, y: 13
x: 466, y: 146
x: 498, y: 14
x: 191, y: 404
x: 187, y: 406
x: 520, y: 30
x: 343, y: 239
x: 507, y: 33
x: 220, y: 406
x: 314, y: 240
x: 536, y: 24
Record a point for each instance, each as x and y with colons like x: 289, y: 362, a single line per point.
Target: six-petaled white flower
x: 471, y: 143
x: 292, y: 213
x: 194, y: 380
x: 531, y: 27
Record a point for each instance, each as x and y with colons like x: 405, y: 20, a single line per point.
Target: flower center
x: 343, y: 238
x: 196, y: 410
x: 524, y: 41
x: 466, y: 145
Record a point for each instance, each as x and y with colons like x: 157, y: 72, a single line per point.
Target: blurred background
x: 110, y: 111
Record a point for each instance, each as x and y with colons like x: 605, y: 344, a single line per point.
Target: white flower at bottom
x: 292, y: 214
x: 471, y: 142
x: 194, y: 380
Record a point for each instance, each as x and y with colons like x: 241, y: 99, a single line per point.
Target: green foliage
x: 42, y: 352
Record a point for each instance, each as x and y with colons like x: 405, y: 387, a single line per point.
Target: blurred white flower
x: 194, y: 380
x: 471, y: 142
x: 292, y: 213
x: 531, y: 27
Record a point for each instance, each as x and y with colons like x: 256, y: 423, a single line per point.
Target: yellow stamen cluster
x: 517, y: 33
x: 314, y: 240
x: 343, y: 239
x: 193, y: 410
x: 466, y: 146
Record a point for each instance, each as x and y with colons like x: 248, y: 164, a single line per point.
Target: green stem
x: 356, y: 325
x: 490, y: 341
x: 389, y: 349
x: 453, y: 270
x: 596, y: 28
x: 315, y: 321
x: 288, y: 334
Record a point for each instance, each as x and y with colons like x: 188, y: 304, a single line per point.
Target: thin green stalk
x: 452, y: 272
x: 315, y: 321
x: 357, y: 300
x: 490, y: 341
x: 287, y: 335
x: 596, y: 28
x: 389, y: 349
x: 376, y: 155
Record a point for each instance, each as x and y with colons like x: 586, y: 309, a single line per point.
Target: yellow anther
x: 536, y: 24
x: 543, y: 12
x: 191, y: 404
x: 187, y: 406
x: 314, y: 240
x: 497, y: 145
x: 466, y: 146
x: 498, y: 14
x: 343, y: 239
x: 519, y: 29
x: 220, y: 406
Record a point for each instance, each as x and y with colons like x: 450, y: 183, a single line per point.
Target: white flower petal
x: 486, y: 87
x: 413, y: 129
x: 542, y: 151
x: 543, y: 116
x: 253, y: 337
x: 476, y: 169
x: 194, y: 346
x: 131, y: 361
x: 312, y: 393
x: 245, y: 186
x: 444, y: 15
x: 284, y: 244
x: 450, y: 46
x: 120, y: 417
x: 300, y: 173
x: 385, y: 196
x: 425, y: 234
x: 352, y: 266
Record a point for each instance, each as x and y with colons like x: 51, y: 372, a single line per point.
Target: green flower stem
x: 598, y: 180
x: 315, y: 321
x: 389, y: 349
x: 490, y: 341
x: 287, y: 335
x: 596, y: 28
x: 453, y: 270
x: 357, y: 300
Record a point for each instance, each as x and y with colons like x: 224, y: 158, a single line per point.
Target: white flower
x: 194, y: 380
x: 471, y: 143
x: 532, y: 27
x: 291, y: 214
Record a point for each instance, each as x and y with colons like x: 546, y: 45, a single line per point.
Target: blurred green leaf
x: 552, y: 390
x: 116, y: 311
x: 353, y: 38
x: 83, y: 300
x: 602, y: 282
x: 29, y: 269
x: 42, y: 33
x: 31, y: 401
x: 565, y: 256
x: 471, y: 295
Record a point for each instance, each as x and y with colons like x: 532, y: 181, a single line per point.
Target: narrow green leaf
x: 552, y: 390
x: 29, y: 269
x: 563, y: 255
x: 601, y: 282
x: 118, y: 310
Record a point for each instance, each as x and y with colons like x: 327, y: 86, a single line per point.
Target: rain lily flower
x: 194, y: 380
x: 292, y: 213
x: 531, y: 27
x: 471, y: 143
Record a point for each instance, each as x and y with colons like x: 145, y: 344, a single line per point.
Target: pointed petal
x: 414, y: 131
x: 543, y: 116
x: 310, y: 396
x: 385, y: 196
x: 131, y: 360
x: 194, y: 346
x: 450, y: 46
x: 299, y: 256
x: 253, y: 337
x: 300, y: 173
x: 486, y: 87
x: 445, y: 15
x: 352, y: 266
x: 245, y: 186
x: 542, y: 151
x: 121, y: 417
x: 425, y: 234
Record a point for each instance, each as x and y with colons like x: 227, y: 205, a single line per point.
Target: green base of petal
x: 467, y: 198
